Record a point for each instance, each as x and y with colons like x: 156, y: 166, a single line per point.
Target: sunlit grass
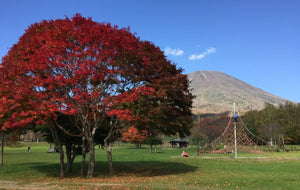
x: 139, y: 169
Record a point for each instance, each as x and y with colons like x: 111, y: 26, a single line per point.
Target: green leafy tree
x: 272, y: 123
x: 152, y: 142
x: 168, y: 109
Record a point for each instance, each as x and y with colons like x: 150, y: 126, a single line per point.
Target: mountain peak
x: 215, y: 92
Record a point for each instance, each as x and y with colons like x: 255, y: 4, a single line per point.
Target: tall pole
x: 234, y: 123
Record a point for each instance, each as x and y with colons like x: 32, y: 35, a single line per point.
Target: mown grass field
x: 138, y: 169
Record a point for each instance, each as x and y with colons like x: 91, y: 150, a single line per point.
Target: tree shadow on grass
x: 136, y: 168
x: 152, y: 168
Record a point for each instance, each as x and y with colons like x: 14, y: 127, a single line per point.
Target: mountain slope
x: 216, y: 92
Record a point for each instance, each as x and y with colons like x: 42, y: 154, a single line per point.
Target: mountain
x: 215, y: 92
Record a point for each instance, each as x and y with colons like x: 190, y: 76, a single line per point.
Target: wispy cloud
x: 175, y: 52
x: 203, y: 54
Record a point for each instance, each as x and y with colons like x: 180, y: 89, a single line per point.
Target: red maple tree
x: 103, y: 76
x: 74, y: 66
x: 135, y: 136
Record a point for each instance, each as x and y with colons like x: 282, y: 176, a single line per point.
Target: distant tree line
x: 208, y: 127
x: 273, y: 122
x: 270, y: 124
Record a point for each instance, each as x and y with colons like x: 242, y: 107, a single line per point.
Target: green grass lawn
x: 138, y: 169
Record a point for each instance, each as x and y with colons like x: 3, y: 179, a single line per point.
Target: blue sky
x: 256, y: 41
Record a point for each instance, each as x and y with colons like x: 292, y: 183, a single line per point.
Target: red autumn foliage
x: 95, y: 72
x: 211, y: 127
x: 74, y: 66
x: 135, y: 136
x: 69, y: 66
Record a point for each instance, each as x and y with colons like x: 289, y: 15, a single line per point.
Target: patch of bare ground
x: 6, y: 184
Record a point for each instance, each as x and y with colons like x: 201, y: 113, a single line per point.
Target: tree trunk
x: 69, y: 158
x: 109, y: 157
x: 61, y: 157
x: 151, y: 148
x: 59, y: 146
x: 2, y: 149
x: 83, y: 157
x: 91, y: 166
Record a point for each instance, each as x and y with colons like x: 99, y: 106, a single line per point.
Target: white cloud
x: 203, y: 54
x: 175, y: 52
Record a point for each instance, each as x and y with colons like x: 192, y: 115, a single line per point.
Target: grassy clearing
x: 138, y: 169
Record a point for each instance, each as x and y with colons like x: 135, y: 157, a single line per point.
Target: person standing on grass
x: 28, y: 149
